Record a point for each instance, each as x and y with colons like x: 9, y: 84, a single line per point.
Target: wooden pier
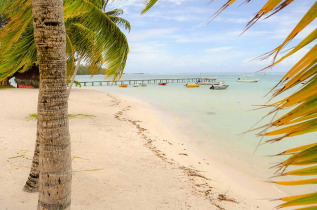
x: 147, y: 81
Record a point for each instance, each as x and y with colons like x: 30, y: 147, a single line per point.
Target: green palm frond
x: 70, y: 52
x: 149, y: 5
x: 90, y: 31
x: 21, y: 56
x: 302, y: 118
x: 20, y: 13
x: 110, y: 36
x: 115, y: 12
x: 114, y: 16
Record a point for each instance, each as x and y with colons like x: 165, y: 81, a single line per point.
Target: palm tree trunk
x: 53, y: 130
x: 74, y: 75
x: 31, y: 184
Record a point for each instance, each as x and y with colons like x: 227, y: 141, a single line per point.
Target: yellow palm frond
x: 302, y: 119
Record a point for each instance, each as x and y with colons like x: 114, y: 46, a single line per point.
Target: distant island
x: 84, y: 70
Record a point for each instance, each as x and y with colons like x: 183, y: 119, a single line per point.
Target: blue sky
x: 176, y: 36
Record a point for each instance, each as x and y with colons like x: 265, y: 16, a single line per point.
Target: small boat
x: 218, y: 87
x: 162, y: 83
x: 221, y: 86
x: 123, y: 85
x: 139, y: 85
x: 247, y: 79
x: 192, y: 85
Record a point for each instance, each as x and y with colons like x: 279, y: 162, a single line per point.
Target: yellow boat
x: 192, y: 85
x: 123, y: 85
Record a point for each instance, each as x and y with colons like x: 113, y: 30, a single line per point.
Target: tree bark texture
x: 55, y: 171
x: 31, y: 184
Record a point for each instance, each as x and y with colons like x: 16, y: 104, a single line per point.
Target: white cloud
x: 175, y: 36
x: 156, y: 57
x: 142, y: 35
x: 218, y: 49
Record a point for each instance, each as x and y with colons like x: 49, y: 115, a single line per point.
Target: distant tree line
x: 84, y: 70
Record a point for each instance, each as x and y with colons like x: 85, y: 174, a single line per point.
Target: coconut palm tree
x: 82, y: 19
x: 53, y: 128
x: 92, y: 35
x: 50, y: 40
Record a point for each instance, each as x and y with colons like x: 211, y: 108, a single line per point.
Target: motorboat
x: 210, y: 83
x: 247, y: 79
x: 162, y: 83
x: 218, y: 87
x: 139, y: 85
x: 123, y: 85
x: 221, y: 86
x: 192, y: 85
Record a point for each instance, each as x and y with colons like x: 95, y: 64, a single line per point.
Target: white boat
x: 209, y: 83
x: 139, y: 85
x: 247, y: 79
x: 221, y: 86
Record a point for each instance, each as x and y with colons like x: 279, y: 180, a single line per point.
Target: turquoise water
x: 212, y: 119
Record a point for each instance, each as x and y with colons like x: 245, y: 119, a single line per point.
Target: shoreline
x: 123, y: 157
x: 231, y: 181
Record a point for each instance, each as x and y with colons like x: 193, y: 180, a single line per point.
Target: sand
x: 124, y: 157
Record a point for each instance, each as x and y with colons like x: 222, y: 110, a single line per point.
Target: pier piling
x: 149, y: 81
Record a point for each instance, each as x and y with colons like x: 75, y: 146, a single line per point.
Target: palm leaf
x: 302, y: 118
x: 300, y: 182
x: 109, y: 36
x: 99, y: 38
x: 306, y: 199
x: 149, y: 5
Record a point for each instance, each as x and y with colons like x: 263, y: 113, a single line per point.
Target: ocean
x: 212, y: 120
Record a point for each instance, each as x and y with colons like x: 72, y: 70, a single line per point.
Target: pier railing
x: 146, y: 81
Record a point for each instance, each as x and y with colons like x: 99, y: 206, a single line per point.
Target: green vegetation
x: 93, y: 35
x: 31, y: 117
x: 34, y: 116
x: 84, y: 70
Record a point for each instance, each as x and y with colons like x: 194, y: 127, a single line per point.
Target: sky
x: 177, y: 36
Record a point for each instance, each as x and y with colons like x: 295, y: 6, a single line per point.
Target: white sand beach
x: 124, y: 157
